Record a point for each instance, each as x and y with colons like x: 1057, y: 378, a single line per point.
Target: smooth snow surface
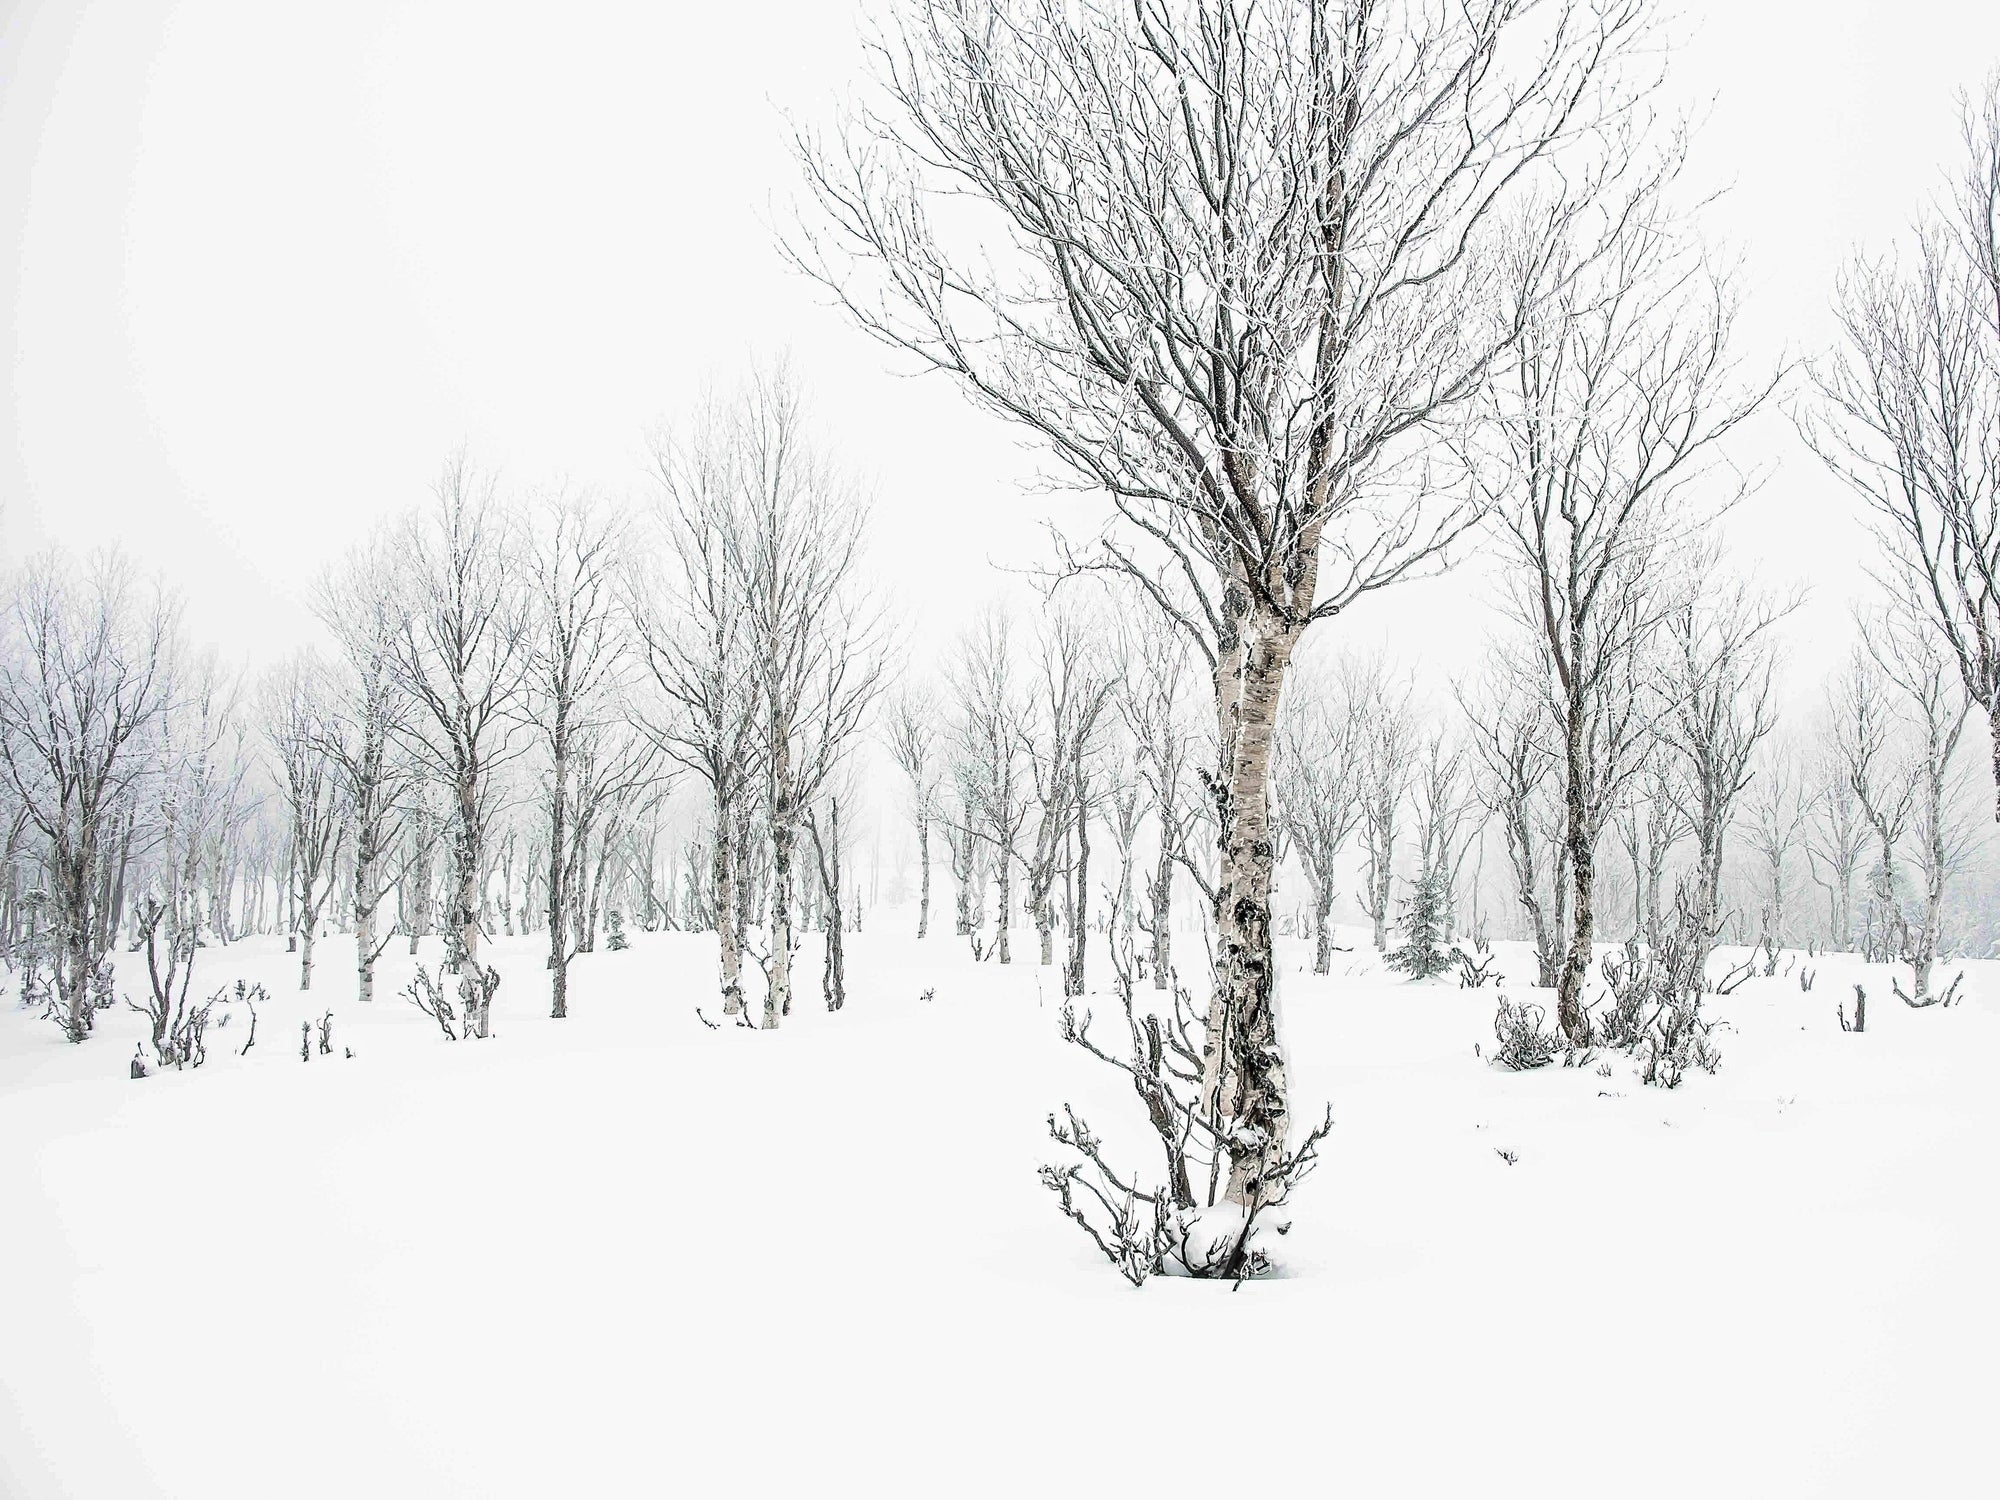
x: 625, y: 1254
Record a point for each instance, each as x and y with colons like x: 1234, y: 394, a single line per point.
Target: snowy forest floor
x: 624, y: 1253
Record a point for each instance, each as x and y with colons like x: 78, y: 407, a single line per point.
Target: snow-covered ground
x: 627, y: 1254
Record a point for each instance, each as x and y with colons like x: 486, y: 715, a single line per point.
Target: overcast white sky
x: 265, y: 265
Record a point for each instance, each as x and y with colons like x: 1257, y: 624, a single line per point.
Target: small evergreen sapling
x: 1426, y: 946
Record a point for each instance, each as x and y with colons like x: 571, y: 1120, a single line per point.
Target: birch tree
x: 357, y: 602
x: 1719, y: 672
x: 1385, y: 744
x: 576, y: 668
x: 693, y: 635
x: 298, y: 725
x: 1156, y: 689
x: 461, y: 650
x: 1936, y: 707
x: 913, y: 729
x: 1883, y: 791
x: 85, y: 679
x: 1608, y: 422
x: 989, y: 711
x: 811, y: 631
x: 1909, y: 410
x: 1512, y: 731
x: 1318, y: 785
x: 1230, y: 264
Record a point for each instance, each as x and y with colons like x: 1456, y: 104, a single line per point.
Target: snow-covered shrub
x: 1652, y: 1007
x: 432, y: 994
x: 177, y: 1030
x: 1676, y: 1039
x: 1524, y: 1036
x: 1179, y: 1224
x: 1426, y: 946
x: 614, y: 926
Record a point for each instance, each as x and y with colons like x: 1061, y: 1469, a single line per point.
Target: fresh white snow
x: 626, y: 1254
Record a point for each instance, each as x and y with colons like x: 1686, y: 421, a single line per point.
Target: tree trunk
x: 366, y: 899
x: 778, y: 998
x: 1583, y: 885
x: 1323, y: 928
x: 723, y: 869
x: 558, y: 860
x: 1162, y: 891
x: 471, y: 985
x: 834, y: 980
x: 1993, y: 723
x: 1244, y: 1065
x: 1079, y: 929
x: 924, y: 864
x: 1005, y: 916
x: 307, y: 930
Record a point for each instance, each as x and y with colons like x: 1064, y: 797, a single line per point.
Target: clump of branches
x: 246, y: 995
x: 1523, y: 1032
x: 1652, y: 1006
x: 1923, y: 1000
x: 1180, y: 1224
x: 432, y: 994
x: 1475, y: 966
x: 177, y: 1030
x: 1676, y: 1038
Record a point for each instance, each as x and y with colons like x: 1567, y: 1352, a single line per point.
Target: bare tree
x: 811, y: 631
x: 1318, y: 787
x: 1914, y: 661
x: 462, y: 648
x: 989, y: 710
x: 1386, y: 749
x: 358, y: 603
x: 1608, y: 422
x: 1775, y: 809
x: 1718, y: 671
x: 1444, y: 806
x: 298, y: 723
x: 1227, y: 262
x: 1910, y: 404
x: 1513, y: 735
x: 914, y: 728
x: 576, y: 668
x: 1836, y: 834
x: 692, y: 627
x: 1156, y: 686
x: 1065, y: 714
x: 1881, y: 787
x: 85, y: 679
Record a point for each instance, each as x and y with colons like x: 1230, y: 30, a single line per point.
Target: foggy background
x: 270, y: 265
